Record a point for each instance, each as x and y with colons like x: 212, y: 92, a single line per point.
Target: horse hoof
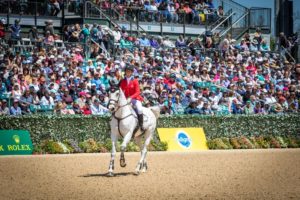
x: 122, y: 164
x: 137, y: 173
x: 110, y: 174
x: 144, y: 170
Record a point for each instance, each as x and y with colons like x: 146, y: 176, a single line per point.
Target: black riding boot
x: 141, y: 120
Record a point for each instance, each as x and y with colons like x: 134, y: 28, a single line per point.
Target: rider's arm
x: 137, y: 91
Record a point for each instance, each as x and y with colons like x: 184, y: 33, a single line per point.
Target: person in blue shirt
x: 192, y: 108
x: 15, y: 30
x: 97, y: 81
x: 144, y: 42
x: 15, y: 109
x: 210, y: 4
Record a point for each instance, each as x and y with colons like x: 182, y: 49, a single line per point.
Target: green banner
x: 15, y: 142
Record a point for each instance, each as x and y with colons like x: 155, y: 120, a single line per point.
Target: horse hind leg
x: 142, y: 164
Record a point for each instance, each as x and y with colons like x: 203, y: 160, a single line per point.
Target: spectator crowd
x: 208, y: 75
x: 175, y: 11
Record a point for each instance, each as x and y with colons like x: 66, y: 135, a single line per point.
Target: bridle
x: 115, y: 103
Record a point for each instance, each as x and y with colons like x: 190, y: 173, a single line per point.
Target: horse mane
x: 122, y: 95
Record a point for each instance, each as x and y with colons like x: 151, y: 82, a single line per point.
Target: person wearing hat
x: 192, y: 108
x: 15, y: 108
x: 97, y: 108
x: 144, y: 41
x: 131, y: 89
x: 4, y: 110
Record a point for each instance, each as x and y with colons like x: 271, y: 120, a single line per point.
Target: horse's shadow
x: 106, y: 175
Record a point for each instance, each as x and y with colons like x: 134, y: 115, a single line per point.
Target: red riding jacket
x: 131, y: 89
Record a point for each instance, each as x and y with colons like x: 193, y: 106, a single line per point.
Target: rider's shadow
x: 106, y: 175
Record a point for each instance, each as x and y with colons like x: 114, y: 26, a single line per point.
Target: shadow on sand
x: 106, y: 175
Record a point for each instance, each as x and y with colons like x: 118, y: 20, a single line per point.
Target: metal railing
x: 96, y: 11
x: 242, y: 18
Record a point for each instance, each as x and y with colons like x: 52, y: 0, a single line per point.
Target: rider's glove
x: 129, y: 100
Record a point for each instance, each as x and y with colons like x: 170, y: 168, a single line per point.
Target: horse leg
x: 113, y: 155
x: 123, y: 148
x: 142, y: 164
x: 139, y: 142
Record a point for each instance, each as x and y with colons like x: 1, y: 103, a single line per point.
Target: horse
x: 124, y: 123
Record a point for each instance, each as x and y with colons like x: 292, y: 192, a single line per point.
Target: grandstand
x: 214, y: 57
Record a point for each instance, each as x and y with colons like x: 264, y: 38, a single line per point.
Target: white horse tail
x: 155, y: 110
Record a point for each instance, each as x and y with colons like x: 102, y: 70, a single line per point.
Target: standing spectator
x: 2, y: 28
x: 85, y: 33
x: 15, y: 30
x: 49, y: 27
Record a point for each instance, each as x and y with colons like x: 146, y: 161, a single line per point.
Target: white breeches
x: 137, y: 105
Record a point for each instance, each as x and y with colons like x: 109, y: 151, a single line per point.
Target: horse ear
x: 121, y: 91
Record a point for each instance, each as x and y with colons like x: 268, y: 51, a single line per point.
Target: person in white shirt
x: 168, y: 43
x: 117, y: 34
x: 97, y: 108
x: 47, y: 100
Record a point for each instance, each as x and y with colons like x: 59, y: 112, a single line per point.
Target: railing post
x: 161, y: 28
x: 63, y: 14
x: 35, y: 14
x: 137, y: 21
x: 130, y: 24
x: 8, y: 8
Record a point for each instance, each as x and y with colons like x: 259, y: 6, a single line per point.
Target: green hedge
x: 258, y: 142
x: 80, y: 128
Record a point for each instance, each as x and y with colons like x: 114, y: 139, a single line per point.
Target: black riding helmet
x: 129, y: 67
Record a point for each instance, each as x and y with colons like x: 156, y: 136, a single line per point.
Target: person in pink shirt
x: 78, y: 56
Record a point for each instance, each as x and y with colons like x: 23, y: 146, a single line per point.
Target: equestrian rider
x: 131, y: 89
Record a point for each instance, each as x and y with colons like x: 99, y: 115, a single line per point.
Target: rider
x: 131, y: 89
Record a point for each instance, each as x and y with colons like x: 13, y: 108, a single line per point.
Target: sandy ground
x: 238, y: 174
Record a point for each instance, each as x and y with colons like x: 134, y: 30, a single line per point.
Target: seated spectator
x: 26, y: 101
x: 86, y: 110
x: 97, y: 108
x: 4, y: 110
x: 15, y: 108
x: 264, y: 46
x: 67, y: 97
x: 195, y: 15
x: 248, y: 109
x: 47, y: 100
x: 143, y: 41
x: 16, y: 92
x: 192, y: 108
x: 126, y: 42
x: 49, y: 39
x: 173, y: 13
x: 180, y: 42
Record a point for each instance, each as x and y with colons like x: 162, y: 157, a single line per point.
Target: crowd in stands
x: 175, y: 11
x: 208, y: 75
x: 32, y: 7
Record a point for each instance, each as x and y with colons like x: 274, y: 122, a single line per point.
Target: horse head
x: 116, y: 99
